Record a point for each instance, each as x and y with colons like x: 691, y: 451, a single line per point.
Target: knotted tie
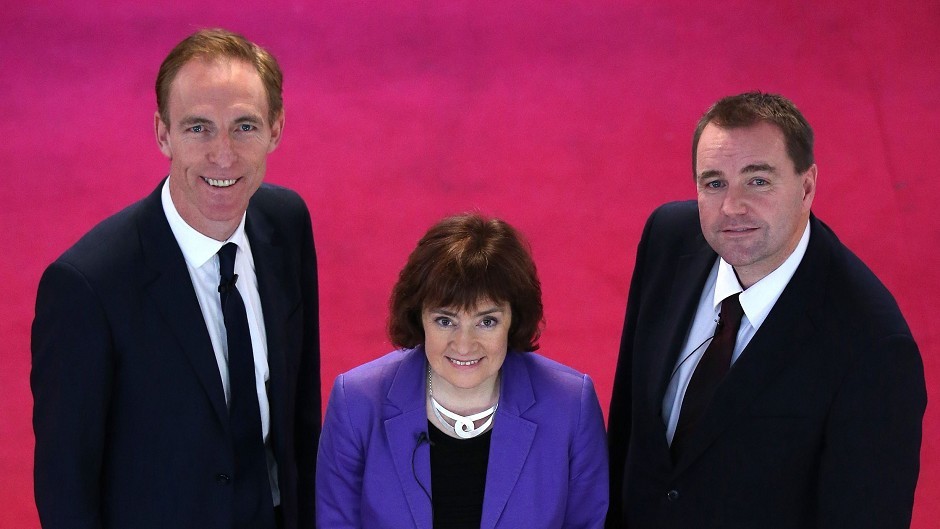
x: 254, y: 507
x: 710, y: 371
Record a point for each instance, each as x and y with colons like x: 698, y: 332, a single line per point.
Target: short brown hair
x: 460, y: 261
x: 213, y: 44
x: 750, y: 108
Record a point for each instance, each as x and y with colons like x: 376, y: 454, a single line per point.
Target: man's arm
x: 871, y: 458
x: 308, y: 389
x: 621, y: 401
x: 71, y: 381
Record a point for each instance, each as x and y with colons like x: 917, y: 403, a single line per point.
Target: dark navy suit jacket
x: 818, y: 423
x: 130, y: 417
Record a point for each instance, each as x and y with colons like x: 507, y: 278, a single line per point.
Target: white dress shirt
x: 757, y: 301
x: 200, y: 251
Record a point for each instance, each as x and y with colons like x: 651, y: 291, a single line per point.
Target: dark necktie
x: 254, y: 507
x: 710, y: 371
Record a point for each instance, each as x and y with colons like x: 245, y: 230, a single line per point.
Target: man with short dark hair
x: 766, y: 377
x: 176, y: 345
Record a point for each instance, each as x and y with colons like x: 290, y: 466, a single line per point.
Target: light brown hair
x: 215, y: 44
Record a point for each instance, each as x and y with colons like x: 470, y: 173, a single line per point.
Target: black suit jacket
x: 129, y: 413
x: 818, y: 423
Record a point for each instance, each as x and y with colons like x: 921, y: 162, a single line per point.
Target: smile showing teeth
x: 467, y: 363
x: 219, y: 183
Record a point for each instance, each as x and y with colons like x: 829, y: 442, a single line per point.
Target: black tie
x: 710, y: 371
x: 254, y: 507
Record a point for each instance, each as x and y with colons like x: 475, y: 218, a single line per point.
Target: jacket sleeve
x: 308, y: 390
x: 588, y: 495
x: 341, y: 461
x: 620, y: 414
x: 870, y: 461
x: 71, y: 379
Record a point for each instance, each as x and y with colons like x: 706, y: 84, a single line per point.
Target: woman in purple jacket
x: 462, y: 427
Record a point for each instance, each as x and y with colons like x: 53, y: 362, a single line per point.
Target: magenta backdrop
x: 572, y: 120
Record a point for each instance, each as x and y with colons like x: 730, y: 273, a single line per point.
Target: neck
x: 465, y: 401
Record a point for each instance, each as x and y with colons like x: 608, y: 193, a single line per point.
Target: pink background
x: 571, y: 120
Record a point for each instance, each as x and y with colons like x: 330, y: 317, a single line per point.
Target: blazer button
x: 222, y: 479
x: 672, y: 495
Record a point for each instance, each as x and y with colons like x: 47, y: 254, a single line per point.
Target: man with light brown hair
x: 176, y: 345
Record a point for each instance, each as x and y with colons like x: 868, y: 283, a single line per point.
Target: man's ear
x: 277, y: 130
x: 809, y: 186
x: 163, y: 135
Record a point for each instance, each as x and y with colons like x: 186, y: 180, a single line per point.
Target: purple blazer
x: 548, y: 453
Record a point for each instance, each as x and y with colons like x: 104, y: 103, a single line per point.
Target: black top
x: 458, y: 478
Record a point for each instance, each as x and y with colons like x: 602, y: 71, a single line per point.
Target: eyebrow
x: 250, y: 119
x: 452, y: 314
x: 747, y: 169
x: 195, y: 120
x: 759, y: 168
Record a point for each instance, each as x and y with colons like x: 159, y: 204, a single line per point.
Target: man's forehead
x: 204, y: 81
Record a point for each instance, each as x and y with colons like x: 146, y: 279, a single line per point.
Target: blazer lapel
x: 169, y: 285
x: 404, y: 433
x: 511, y: 441
x: 682, y: 301
x: 277, y: 298
x: 782, y: 335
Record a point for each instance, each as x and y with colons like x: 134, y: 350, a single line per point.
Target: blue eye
x: 197, y: 128
x: 714, y: 184
x: 246, y: 127
x: 760, y: 182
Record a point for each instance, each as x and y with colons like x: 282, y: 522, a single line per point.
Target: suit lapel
x: 169, y: 285
x: 511, y: 441
x: 682, y: 301
x: 412, y: 458
x: 277, y: 299
x: 782, y: 335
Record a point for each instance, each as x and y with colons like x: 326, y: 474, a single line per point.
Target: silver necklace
x: 463, y: 425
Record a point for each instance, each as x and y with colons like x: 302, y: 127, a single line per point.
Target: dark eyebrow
x: 711, y: 173
x: 452, y: 314
x: 759, y: 168
x: 747, y: 169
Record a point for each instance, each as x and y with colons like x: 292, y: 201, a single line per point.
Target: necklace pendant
x: 463, y: 425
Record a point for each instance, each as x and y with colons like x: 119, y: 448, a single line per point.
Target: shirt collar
x: 761, y: 296
x: 197, y: 248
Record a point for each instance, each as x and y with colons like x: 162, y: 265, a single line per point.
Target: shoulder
x: 675, y: 219
x: 551, y: 379
x: 272, y: 198
x: 114, y: 244
x: 374, y: 371
x: 373, y: 380
x: 282, y: 210
x: 852, y: 290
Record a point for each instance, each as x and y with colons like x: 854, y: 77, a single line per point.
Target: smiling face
x: 753, y: 206
x: 465, y: 349
x: 217, y: 140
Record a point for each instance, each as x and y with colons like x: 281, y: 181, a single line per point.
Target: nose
x: 222, y: 152
x: 733, y: 202
x: 463, y: 340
